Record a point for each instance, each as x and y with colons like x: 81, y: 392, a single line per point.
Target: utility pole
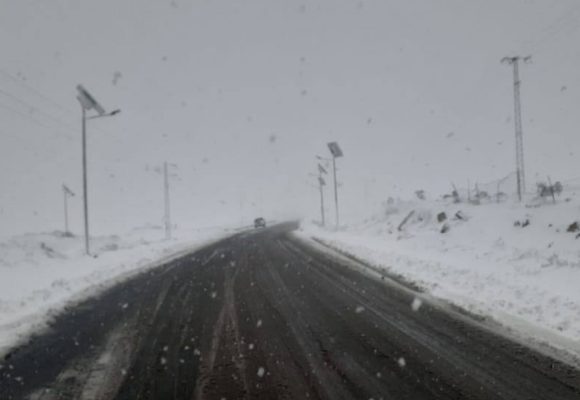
x: 520, y: 175
x: 66, y: 193
x: 335, y: 192
x: 242, y: 203
x: 468, y: 191
x: 321, y: 184
x: 167, y: 208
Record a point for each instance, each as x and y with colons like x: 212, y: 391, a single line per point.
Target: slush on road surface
x: 264, y: 315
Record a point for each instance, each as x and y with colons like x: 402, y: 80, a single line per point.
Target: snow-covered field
x: 41, y: 273
x: 515, y: 263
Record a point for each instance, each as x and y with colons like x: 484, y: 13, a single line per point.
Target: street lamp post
x: 336, y: 152
x: 321, y: 184
x: 66, y: 193
x: 85, y: 197
x: 335, y: 192
x: 88, y: 103
x: 167, y: 218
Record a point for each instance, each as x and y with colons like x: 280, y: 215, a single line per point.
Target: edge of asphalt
x: 43, y: 322
x: 512, y: 328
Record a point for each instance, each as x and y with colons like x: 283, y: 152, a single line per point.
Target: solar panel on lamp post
x: 88, y: 103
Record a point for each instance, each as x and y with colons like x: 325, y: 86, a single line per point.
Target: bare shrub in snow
x: 389, y: 207
x: 573, y: 227
x: 522, y: 224
x: 545, y: 190
x: 454, y: 195
x: 501, y: 196
x: 482, y: 195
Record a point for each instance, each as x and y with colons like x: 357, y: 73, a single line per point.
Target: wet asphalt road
x: 262, y: 315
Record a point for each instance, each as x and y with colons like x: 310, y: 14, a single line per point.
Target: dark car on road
x: 259, y: 223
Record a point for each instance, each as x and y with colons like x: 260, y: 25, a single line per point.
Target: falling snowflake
x: 261, y: 372
x: 402, y: 363
x: 359, y: 309
x: 416, y: 304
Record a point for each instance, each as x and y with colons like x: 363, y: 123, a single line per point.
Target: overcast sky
x: 243, y: 95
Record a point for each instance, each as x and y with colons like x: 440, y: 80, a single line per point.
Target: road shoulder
x: 509, y: 326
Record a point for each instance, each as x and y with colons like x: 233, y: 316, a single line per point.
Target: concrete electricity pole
x: 66, y: 193
x: 520, y: 174
x: 336, y: 152
x: 167, y: 175
x: 167, y: 208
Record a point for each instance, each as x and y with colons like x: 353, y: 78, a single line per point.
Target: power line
x: 70, y: 127
x: 36, y: 91
x: 36, y: 109
x: 27, y: 117
x: 67, y: 110
x: 565, y: 22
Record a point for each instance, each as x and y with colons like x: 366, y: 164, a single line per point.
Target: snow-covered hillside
x: 41, y: 273
x: 518, y: 263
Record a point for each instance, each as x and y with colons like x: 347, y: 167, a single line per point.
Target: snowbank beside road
x: 41, y: 273
x: 516, y: 264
